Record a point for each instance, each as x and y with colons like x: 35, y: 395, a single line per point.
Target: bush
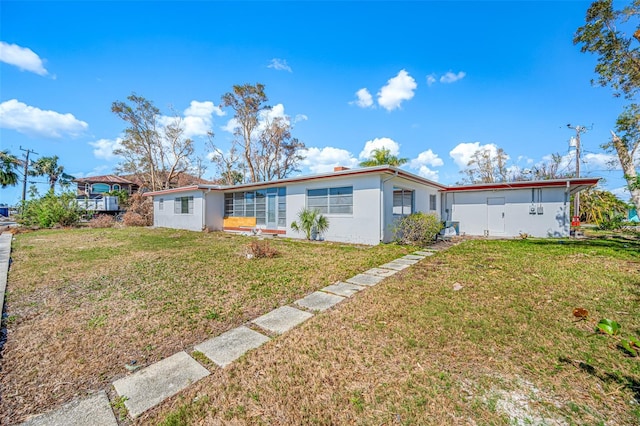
x: 102, y: 221
x: 417, y: 229
x: 140, y: 211
x: 259, y: 249
x: 51, y: 210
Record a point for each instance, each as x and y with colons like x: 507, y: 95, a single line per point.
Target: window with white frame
x: 402, y: 202
x: 331, y: 200
x: 183, y: 205
x: 161, y: 204
x: 432, y: 202
x: 254, y: 204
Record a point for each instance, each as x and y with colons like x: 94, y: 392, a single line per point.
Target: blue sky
x: 432, y: 81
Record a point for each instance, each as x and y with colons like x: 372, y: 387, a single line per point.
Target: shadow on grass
x: 625, y: 243
x: 627, y: 382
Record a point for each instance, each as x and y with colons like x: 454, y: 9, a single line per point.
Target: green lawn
x: 83, y: 303
x: 504, y: 349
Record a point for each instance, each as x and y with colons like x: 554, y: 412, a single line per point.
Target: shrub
x: 140, y: 211
x: 311, y: 222
x: 51, y: 210
x: 417, y: 229
x: 259, y: 249
x: 102, y: 221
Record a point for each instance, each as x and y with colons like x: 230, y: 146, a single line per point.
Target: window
x: 115, y: 187
x: 402, y: 202
x: 254, y: 204
x: 432, y: 202
x: 331, y: 200
x: 161, y: 204
x: 100, y: 188
x: 183, y: 205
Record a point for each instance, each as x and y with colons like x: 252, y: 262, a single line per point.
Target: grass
x: 504, y: 349
x: 85, y: 303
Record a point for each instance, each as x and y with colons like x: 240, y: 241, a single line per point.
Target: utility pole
x: 576, y: 198
x: 26, y: 172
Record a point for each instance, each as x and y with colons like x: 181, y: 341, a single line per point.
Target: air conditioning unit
x: 532, y: 209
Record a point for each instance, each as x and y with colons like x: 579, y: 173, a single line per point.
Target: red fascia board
x: 520, y: 185
x: 174, y: 190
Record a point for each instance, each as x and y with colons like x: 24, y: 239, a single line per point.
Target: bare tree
x: 156, y: 154
x: 277, y: 152
x: 484, y: 167
x: 263, y: 146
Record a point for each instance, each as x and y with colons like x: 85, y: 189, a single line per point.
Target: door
x: 495, y: 215
x: 271, y: 211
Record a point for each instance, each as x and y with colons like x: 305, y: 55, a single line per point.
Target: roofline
x: 388, y: 170
x: 342, y: 173
x: 524, y: 184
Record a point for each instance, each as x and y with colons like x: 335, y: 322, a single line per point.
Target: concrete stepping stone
x: 343, y: 289
x: 282, y: 319
x: 319, y: 301
x: 229, y: 346
x: 396, y: 266
x: 94, y: 410
x: 380, y: 272
x: 153, y: 384
x: 412, y: 257
x: 405, y: 261
x: 365, y: 279
x: 424, y: 253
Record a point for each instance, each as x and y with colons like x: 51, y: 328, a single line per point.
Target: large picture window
x: 331, y: 200
x: 255, y: 204
x: 183, y: 205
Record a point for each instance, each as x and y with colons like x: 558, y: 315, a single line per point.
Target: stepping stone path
x: 282, y: 319
x: 343, y: 289
x: 94, y: 410
x: 319, y: 301
x: 157, y: 382
x: 151, y: 385
x: 229, y: 346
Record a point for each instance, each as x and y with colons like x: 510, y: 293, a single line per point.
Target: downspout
x: 382, y: 182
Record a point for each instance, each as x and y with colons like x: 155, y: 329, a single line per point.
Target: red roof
x: 104, y: 179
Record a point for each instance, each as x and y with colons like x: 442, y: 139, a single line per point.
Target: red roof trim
x: 524, y: 184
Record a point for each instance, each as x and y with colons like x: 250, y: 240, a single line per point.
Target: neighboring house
x: 632, y: 215
x: 363, y: 204
x: 98, y: 185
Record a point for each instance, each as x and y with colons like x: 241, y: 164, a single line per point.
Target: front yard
x: 82, y: 304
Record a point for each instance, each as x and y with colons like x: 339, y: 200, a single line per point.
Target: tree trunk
x: 628, y: 168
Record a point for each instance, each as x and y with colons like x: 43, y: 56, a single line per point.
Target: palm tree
x: 382, y: 156
x: 48, y: 166
x: 310, y: 222
x: 8, y: 166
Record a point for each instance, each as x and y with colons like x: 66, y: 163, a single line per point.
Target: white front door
x: 495, y: 215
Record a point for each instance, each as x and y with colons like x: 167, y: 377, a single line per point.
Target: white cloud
x: 21, y: 57
x: 622, y: 193
x: 197, y: 119
x: 601, y: 161
x: 452, y: 77
x: 426, y: 158
x: 399, y: 88
x: 321, y: 160
x: 103, y: 148
x: 431, y: 78
x: 424, y: 162
x: 463, y: 152
x: 33, y: 121
x: 280, y: 65
x: 379, y: 143
x: 365, y: 100
x: 268, y: 115
x: 300, y: 117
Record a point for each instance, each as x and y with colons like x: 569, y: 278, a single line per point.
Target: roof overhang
x: 573, y: 185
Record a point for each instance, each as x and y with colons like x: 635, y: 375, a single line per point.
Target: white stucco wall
x: 214, y: 210
x: 472, y: 210
x: 420, y: 200
x: 166, y: 218
x: 361, y: 227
